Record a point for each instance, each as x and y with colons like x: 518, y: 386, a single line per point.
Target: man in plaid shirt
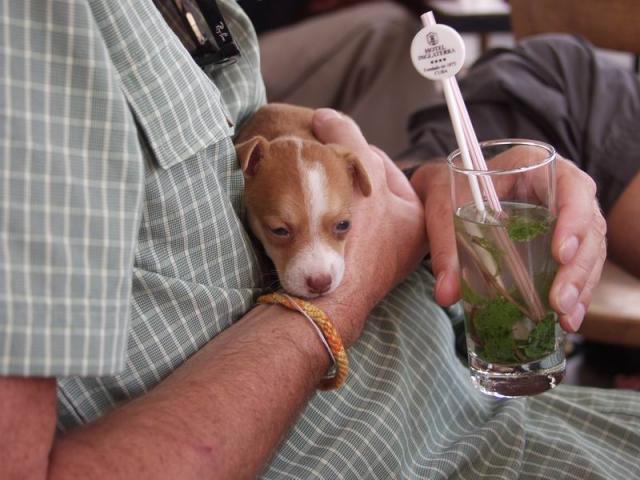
x: 127, y: 282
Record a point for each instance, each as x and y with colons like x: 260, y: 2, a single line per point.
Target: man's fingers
x: 396, y: 180
x: 576, y: 193
x: 440, y: 231
x: 431, y: 182
x: 578, y: 244
x: 330, y: 126
x: 573, y: 286
x: 572, y: 321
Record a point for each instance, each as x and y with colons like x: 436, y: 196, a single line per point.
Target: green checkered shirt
x: 122, y: 253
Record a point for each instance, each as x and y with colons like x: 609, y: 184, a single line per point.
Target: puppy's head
x: 298, y: 196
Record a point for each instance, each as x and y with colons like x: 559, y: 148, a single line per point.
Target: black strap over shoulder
x: 201, y: 28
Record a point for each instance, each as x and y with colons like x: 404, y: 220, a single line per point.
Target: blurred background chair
x: 609, y: 24
x: 614, y: 315
x: 482, y: 17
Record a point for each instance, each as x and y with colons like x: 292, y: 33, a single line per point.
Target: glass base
x: 506, y: 381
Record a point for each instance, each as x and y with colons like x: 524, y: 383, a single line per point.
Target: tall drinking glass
x: 514, y: 341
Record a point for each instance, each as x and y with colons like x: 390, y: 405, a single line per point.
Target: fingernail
x: 568, y: 249
x: 325, y: 114
x: 576, y: 317
x: 568, y: 298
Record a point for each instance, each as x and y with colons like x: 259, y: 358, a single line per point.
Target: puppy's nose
x: 319, y: 283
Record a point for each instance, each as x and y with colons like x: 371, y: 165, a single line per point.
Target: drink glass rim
x: 551, y: 151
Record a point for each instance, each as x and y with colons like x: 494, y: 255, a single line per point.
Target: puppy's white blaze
x: 317, y: 259
x: 316, y: 198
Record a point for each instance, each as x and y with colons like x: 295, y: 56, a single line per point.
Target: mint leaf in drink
x: 493, y: 323
x: 522, y: 228
x: 499, y: 349
x: 542, y: 338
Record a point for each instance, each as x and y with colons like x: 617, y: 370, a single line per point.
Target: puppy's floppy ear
x: 251, y: 153
x: 357, y: 170
x: 360, y: 175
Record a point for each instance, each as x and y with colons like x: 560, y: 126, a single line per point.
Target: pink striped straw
x: 476, y: 152
x: 471, y: 147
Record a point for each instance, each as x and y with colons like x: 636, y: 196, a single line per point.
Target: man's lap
x: 588, y: 432
x: 408, y: 410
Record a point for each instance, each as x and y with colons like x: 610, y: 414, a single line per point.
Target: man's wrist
x: 348, y: 311
x: 300, y: 333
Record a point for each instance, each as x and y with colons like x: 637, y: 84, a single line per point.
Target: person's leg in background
x: 355, y: 60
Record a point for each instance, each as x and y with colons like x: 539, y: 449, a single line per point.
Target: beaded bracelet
x: 331, y: 372
x: 329, y: 335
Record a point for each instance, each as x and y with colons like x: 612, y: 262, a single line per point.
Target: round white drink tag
x: 437, y: 52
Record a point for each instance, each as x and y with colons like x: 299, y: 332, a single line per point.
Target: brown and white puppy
x: 298, y: 195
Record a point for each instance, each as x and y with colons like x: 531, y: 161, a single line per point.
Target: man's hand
x: 578, y: 244
x: 387, y: 239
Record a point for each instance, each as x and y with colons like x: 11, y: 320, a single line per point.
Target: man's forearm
x: 27, y: 426
x: 220, y: 415
x: 622, y: 233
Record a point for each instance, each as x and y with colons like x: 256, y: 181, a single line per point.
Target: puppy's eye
x: 280, y: 232
x: 343, y: 226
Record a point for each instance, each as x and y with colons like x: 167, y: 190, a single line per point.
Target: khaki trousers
x: 355, y: 60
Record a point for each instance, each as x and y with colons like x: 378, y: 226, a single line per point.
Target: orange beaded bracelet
x: 321, y: 320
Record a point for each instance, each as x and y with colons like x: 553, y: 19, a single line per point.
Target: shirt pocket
x: 177, y: 106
